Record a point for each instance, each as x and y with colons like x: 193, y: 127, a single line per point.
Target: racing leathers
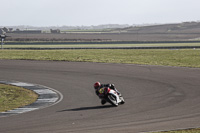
x: 101, y: 96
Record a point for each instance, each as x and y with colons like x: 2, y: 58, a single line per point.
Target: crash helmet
x: 97, y: 85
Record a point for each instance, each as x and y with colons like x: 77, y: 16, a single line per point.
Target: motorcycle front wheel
x: 112, y: 99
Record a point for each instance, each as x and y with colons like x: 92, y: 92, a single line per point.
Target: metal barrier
x: 145, y: 47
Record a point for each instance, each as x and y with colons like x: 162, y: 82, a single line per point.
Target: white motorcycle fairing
x: 114, y: 98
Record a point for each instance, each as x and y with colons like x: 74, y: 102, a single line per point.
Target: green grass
x: 197, y: 130
x: 183, y: 58
x: 13, y: 97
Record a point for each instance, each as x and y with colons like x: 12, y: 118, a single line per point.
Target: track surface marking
x: 46, y: 97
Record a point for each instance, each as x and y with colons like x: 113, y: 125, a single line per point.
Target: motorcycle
x: 111, y: 96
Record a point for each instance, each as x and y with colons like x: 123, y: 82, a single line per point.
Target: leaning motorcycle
x: 111, y: 96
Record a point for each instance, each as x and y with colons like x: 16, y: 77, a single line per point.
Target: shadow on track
x: 88, y: 108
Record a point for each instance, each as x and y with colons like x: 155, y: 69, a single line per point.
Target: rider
x: 98, y: 86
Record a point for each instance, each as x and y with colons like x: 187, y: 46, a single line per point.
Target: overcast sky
x: 96, y: 12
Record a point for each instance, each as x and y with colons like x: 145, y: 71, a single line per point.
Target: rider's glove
x: 112, y: 86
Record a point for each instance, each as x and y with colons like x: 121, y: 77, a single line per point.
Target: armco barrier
x: 97, y: 42
x: 62, y: 48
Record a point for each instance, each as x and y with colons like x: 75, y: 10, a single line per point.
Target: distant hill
x: 185, y: 28
x: 187, y: 31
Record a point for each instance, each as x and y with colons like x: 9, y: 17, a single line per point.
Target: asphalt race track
x: 157, y: 97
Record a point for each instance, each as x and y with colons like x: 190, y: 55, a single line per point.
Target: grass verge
x: 12, y: 97
x: 182, y: 58
x: 197, y: 130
